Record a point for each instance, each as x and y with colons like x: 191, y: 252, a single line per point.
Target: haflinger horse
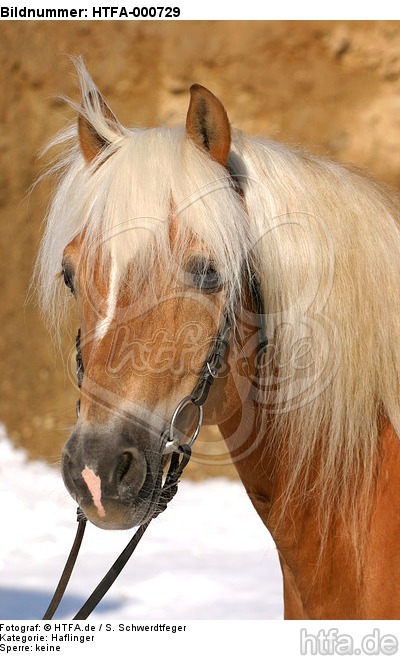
x: 163, y: 235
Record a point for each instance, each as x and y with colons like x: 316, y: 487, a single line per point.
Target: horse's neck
x: 327, y: 583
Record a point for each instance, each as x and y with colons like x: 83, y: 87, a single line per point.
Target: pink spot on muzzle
x: 94, y: 485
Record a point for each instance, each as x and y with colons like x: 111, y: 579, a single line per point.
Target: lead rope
x: 179, y: 460
x: 80, y: 531
x: 69, y: 566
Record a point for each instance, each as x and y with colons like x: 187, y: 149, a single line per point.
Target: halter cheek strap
x: 79, y: 368
x: 200, y: 392
x: 212, y: 367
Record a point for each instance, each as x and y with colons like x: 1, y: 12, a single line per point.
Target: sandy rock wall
x: 331, y: 86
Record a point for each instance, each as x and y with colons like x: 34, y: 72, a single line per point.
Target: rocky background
x: 331, y: 86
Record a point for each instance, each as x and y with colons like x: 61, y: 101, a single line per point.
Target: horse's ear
x: 91, y: 139
x: 207, y: 123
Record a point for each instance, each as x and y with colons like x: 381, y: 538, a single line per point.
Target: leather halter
x: 171, y: 442
x: 201, y: 390
x: 208, y: 374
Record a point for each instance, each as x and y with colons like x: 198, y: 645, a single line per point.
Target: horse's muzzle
x: 113, y: 473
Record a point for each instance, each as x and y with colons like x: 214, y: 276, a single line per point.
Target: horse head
x: 152, y: 293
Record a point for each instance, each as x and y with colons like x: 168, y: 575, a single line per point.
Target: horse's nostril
x: 131, y: 471
x: 124, y: 466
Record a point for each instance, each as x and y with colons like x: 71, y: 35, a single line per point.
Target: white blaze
x: 104, y: 323
x: 94, y: 485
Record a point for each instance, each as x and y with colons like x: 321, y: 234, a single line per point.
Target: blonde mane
x: 323, y: 240
x: 329, y: 261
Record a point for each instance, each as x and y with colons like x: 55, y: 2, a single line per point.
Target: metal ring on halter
x: 172, y: 441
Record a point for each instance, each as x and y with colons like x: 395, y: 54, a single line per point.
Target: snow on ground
x: 207, y: 557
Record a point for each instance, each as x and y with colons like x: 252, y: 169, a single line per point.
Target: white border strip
x: 276, y: 638
x: 188, y: 10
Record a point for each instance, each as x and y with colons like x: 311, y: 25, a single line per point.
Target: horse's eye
x: 202, y: 274
x: 68, y: 276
